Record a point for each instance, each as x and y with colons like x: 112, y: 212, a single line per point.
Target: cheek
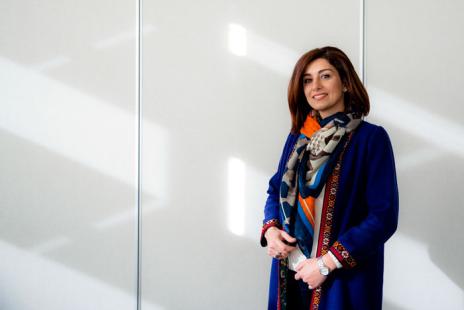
x: 306, y: 91
x: 308, y: 97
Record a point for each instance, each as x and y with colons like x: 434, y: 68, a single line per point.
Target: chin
x: 317, y: 107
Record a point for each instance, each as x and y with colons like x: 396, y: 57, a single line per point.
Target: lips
x: 319, y: 96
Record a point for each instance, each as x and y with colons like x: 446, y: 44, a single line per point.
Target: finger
x: 297, y: 276
x: 284, y: 245
x: 287, y: 237
x: 273, y: 252
x: 299, y: 266
x: 281, y: 247
x: 288, y: 248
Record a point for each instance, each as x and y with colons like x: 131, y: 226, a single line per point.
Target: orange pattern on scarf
x: 308, y: 205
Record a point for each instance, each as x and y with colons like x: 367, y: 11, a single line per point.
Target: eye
x: 306, y: 81
x: 325, y: 76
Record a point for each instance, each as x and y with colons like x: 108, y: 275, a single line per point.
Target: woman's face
x: 323, y: 88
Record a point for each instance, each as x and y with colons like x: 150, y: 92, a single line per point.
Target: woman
x: 334, y: 200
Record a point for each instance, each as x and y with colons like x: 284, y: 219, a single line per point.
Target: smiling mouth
x: 320, y: 96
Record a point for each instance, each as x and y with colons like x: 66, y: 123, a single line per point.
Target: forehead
x: 317, y: 65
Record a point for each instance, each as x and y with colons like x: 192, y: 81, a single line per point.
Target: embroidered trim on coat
x: 266, y: 226
x: 343, y: 255
x: 325, y: 233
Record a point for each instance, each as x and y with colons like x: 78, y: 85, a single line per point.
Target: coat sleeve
x: 381, y: 197
x: 271, y: 207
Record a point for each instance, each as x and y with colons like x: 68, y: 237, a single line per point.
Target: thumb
x: 287, y: 237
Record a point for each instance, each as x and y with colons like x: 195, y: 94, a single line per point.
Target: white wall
x: 214, y: 119
x: 215, y: 115
x: 67, y: 141
x: 414, y: 76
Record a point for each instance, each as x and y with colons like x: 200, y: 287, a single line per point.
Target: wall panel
x: 414, y: 76
x: 215, y: 119
x: 67, y: 136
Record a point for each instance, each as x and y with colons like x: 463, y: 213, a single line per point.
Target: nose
x: 316, y: 84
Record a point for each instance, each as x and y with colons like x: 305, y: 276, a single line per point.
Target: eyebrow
x: 319, y: 71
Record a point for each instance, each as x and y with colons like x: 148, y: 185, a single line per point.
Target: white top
x: 296, y: 256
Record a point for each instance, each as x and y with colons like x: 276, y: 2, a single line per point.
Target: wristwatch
x: 323, y: 269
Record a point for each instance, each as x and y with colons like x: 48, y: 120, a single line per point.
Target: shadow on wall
x: 60, y: 247
x: 388, y: 305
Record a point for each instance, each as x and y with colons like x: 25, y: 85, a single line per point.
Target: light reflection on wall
x: 245, y: 198
x: 436, y: 130
x: 245, y: 207
x: 51, y: 114
x: 261, y: 50
x: 237, y: 40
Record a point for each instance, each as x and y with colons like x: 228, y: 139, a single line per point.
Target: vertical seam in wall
x: 138, y: 68
x: 363, y: 41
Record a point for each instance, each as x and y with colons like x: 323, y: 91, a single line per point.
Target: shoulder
x: 291, y: 140
x: 371, y: 138
x: 369, y: 131
x: 367, y: 128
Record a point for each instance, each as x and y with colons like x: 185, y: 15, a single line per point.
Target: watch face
x: 325, y: 271
x: 322, y: 268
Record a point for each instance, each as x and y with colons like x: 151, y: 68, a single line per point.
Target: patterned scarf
x: 308, y: 167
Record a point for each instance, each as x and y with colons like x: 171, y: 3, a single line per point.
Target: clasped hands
x: 278, y: 242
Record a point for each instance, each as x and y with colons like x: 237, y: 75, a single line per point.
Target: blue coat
x: 365, y: 215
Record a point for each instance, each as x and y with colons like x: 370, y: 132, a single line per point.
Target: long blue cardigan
x: 365, y: 216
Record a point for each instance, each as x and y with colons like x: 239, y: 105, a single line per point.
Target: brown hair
x: 355, y: 98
